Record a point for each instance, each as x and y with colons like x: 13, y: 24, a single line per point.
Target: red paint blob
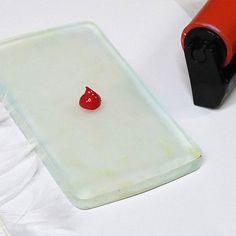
x: 90, y: 100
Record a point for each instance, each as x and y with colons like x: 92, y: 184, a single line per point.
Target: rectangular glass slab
x: 127, y: 146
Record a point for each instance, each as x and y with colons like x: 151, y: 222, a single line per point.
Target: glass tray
x: 127, y: 146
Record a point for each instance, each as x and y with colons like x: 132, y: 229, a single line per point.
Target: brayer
x: 209, y: 44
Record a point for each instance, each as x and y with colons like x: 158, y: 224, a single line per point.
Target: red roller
x: 218, y: 16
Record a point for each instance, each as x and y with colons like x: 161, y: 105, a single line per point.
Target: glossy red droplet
x: 90, y: 100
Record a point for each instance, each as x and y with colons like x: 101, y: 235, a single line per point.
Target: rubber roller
x: 209, y: 44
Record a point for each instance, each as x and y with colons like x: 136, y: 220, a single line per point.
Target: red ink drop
x: 90, y: 100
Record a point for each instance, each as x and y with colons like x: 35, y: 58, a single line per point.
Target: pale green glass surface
x: 127, y: 146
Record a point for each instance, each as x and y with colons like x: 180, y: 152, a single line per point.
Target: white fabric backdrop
x: 191, y: 6
x: 31, y: 204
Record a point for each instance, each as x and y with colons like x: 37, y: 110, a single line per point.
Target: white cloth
x: 191, y: 6
x: 31, y: 204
